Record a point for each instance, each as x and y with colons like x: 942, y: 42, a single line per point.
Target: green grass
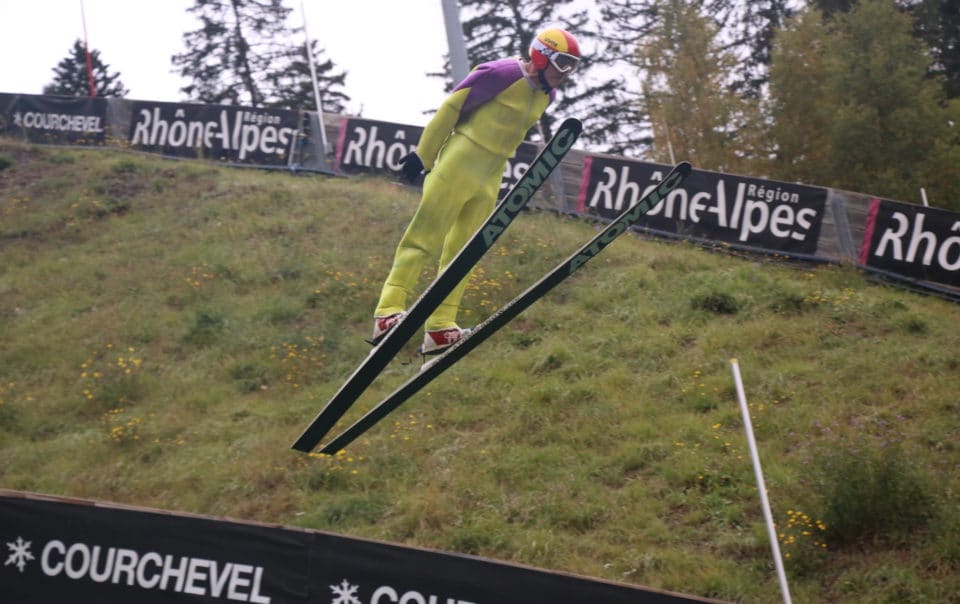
x: 168, y: 328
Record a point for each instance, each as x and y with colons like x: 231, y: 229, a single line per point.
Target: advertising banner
x: 54, y: 119
x: 365, y: 572
x: 373, y: 146
x: 218, y: 132
x: 915, y: 241
x: 58, y: 552
x: 72, y: 551
x: 765, y: 214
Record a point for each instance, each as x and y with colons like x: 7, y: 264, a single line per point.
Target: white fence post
x: 767, y: 515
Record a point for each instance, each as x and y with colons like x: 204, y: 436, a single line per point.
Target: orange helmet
x: 557, y: 47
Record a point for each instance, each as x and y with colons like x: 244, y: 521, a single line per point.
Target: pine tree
x: 294, y: 86
x: 245, y: 54
x: 71, y: 77
x: 755, y: 24
x: 938, y: 25
x: 623, y: 129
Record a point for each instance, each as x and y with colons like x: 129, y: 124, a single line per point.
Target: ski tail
x: 503, y: 215
x: 513, y: 308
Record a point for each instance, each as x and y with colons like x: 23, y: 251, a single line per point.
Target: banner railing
x: 918, y: 245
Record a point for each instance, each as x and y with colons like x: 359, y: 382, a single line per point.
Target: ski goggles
x: 563, y: 62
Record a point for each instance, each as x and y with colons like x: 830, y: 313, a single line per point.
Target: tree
x: 799, y: 114
x: 71, y: 77
x: 625, y: 24
x: 691, y: 108
x: 830, y: 7
x: 294, y: 86
x: 878, y: 124
x: 243, y: 54
x: 755, y: 25
x: 938, y: 25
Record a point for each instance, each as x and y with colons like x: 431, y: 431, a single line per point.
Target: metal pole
x: 459, y: 67
x: 316, y: 87
x: 666, y: 129
x: 767, y: 515
x: 86, y: 48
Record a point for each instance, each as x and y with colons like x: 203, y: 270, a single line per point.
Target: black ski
x: 513, y: 308
x: 508, y: 209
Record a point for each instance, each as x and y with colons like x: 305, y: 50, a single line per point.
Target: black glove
x: 411, y: 167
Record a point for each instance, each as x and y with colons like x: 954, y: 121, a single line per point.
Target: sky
x: 386, y: 47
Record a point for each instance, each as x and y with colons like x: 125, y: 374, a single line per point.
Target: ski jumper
x: 464, y: 150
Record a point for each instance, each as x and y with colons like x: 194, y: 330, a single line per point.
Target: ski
x: 513, y: 308
x: 507, y: 209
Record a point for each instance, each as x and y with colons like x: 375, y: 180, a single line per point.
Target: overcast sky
x: 386, y: 47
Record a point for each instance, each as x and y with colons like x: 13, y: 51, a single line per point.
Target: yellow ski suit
x: 464, y: 149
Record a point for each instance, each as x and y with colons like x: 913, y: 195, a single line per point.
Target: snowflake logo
x: 345, y: 593
x: 20, y: 553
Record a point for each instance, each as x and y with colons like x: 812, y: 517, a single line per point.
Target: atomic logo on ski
x: 627, y: 219
x: 535, y: 176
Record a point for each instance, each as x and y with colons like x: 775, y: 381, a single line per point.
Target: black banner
x: 71, y: 551
x: 58, y: 552
x: 54, y: 119
x: 373, y: 146
x: 915, y: 241
x: 377, y: 573
x: 225, y: 133
x: 775, y: 216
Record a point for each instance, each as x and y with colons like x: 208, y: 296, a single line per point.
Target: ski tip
x: 305, y: 443
x: 680, y: 172
x: 298, y: 446
x: 572, y: 123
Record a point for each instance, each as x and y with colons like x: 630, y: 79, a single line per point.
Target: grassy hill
x: 168, y: 328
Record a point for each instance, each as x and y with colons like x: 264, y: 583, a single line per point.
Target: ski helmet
x: 557, y: 47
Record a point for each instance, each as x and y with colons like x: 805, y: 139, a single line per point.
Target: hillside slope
x: 168, y: 328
